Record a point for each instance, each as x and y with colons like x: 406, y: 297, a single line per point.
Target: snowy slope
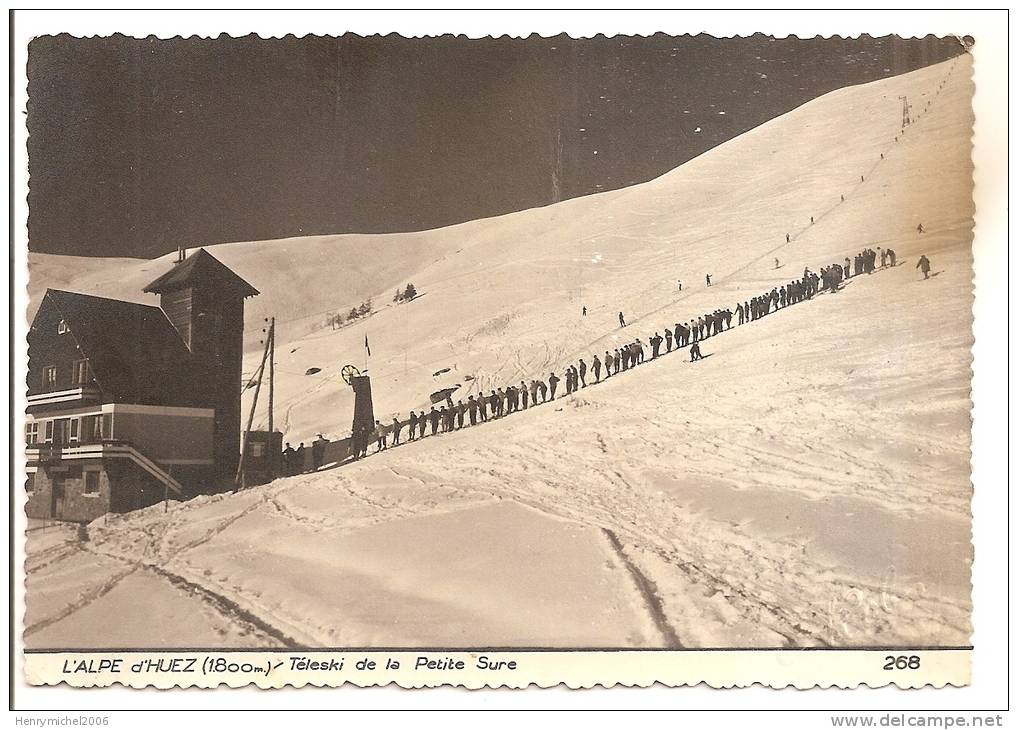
x: 806, y: 484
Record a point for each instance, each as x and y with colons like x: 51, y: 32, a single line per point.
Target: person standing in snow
x: 622, y: 320
x: 668, y: 340
x: 434, y: 416
x: 596, y: 367
x: 472, y: 407
x: 655, y: 344
x: 708, y: 279
x: 413, y: 426
x: 608, y: 363
x: 583, y: 373
x: 924, y: 266
x: 318, y: 451
x: 379, y: 434
x: 523, y: 394
x: 396, y: 428
x: 694, y: 352
x: 552, y: 384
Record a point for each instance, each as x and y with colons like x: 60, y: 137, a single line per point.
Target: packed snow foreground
x: 807, y: 484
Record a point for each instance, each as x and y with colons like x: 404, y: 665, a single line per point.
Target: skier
x: 694, y: 352
x: 318, y: 451
x: 583, y: 373
x: 622, y: 320
x: 288, y: 453
x: 584, y: 311
x: 891, y: 257
x: 413, y: 425
x: 379, y: 434
x: 920, y: 229
x: 608, y: 364
x: 596, y: 367
x: 655, y: 344
x: 422, y: 422
x: 708, y: 279
x: 553, y: 382
x: 924, y: 266
x: 668, y: 340
x: 396, y: 428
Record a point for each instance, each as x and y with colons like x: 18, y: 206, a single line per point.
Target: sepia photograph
x: 436, y: 344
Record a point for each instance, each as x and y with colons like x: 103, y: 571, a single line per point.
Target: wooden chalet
x: 129, y: 403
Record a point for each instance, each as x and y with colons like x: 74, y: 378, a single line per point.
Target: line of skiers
x: 501, y: 402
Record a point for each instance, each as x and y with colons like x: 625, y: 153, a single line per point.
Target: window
x: 30, y: 483
x: 49, y: 432
x: 49, y: 377
x: 95, y: 426
x: 32, y: 432
x: 62, y: 328
x: 91, y: 482
x: 61, y: 430
x: 257, y: 449
x: 80, y: 373
x: 74, y: 430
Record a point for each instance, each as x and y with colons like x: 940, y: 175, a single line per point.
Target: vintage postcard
x: 498, y: 362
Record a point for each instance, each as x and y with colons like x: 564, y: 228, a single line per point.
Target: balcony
x: 84, y: 394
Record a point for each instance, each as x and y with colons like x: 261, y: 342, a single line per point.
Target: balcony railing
x: 69, y: 396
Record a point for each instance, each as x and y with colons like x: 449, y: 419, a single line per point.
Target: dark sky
x: 138, y: 146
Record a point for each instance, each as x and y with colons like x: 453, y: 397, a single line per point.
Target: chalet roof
x: 134, y: 353
x: 201, y: 267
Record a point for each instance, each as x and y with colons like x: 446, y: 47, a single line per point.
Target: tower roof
x: 201, y: 267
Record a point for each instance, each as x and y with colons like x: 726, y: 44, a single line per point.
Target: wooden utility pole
x: 239, y: 480
x: 272, y: 366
